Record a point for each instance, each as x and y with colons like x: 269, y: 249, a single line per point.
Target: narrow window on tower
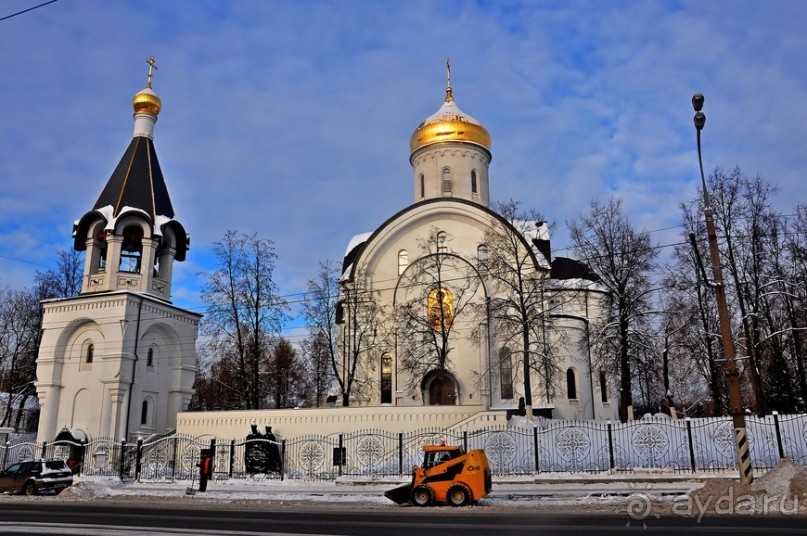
x: 131, y: 249
x: 150, y: 358
x: 446, y: 181
x: 403, y: 261
x: 90, y: 353
x: 474, y: 190
x: 422, y: 186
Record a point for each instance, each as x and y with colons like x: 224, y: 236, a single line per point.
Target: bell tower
x: 119, y: 360
x: 131, y: 235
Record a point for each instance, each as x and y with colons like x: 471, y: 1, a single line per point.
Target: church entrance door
x: 442, y: 391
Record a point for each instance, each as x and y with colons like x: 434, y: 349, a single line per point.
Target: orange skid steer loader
x: 448, y: 475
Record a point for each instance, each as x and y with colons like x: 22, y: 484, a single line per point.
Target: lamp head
x: 700, y: 120
x: 697, y: 101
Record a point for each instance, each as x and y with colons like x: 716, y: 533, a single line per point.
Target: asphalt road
x: 110, y: 518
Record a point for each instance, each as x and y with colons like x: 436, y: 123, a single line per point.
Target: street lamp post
x: 732, y: 374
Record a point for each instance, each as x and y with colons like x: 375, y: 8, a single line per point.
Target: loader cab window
x: 436, y: 458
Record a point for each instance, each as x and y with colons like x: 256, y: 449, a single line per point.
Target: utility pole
x: 732, y: 374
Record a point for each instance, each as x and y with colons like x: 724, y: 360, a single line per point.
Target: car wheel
x: 29, y: 488
x: 458, y: 495
x: 422, y: 496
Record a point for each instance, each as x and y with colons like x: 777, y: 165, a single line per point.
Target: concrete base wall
x: 292, y: 423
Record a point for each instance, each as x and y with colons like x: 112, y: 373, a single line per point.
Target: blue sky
x: 292, y: 119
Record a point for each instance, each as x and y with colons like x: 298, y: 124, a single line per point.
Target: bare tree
x: 691, y: 319
x: 245, y: 312
x: 63, y: 281
x: 20, y: 322
x: 319, y: 309
x: 320, y: 371
x: 287, y: 376
x: 517, y: 306
x: 624, y: 258
x: 363, y: 335
x: 440, y: 287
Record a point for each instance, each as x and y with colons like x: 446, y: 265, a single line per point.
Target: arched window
x: 446, y: 181
x: 150, y: 358
x: 386, y: 379
x: 440, y: 308
x: 144, y: 413
x: 506, y: 373
x: 90, y: 353
x: 442, y: 238
x: 603, y: 387
x: 131, y: 249
x: 482, y: 257
x: 403, y: 261
x: 422, y: 186
x: 571, y: 385
x: 473, y: 182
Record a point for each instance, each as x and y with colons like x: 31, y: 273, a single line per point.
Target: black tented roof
x: 137, y: 182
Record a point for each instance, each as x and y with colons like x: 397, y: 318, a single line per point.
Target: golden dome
x: 449, y: 123
x: 146, y: 101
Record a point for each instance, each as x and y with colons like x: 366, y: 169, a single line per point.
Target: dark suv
x: 34, y: 476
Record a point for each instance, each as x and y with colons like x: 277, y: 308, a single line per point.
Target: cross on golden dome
x: 152, y: 67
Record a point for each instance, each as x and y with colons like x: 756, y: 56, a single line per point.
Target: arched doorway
x: 440, y: 388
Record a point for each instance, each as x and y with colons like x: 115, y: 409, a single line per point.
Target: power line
x: 26, y: 10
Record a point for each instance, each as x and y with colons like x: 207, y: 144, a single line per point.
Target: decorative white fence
x: 572, y: 446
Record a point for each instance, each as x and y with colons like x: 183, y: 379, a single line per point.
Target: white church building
x: 118, y: 361
x: 418, y: 311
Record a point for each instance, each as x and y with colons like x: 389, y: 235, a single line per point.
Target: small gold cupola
x: 146, y: 101
x: 449, y: 124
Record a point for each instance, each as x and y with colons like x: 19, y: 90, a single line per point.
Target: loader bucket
x: 399, y: 495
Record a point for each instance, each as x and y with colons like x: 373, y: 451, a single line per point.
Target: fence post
x: 465, y: 440
x: 139, y: 455
x: 174, y: 460
x: 44, y: 450
x: 400, y: 453
x: 282, y: 459
x: 213, y: 455
x: 5, y: 455
x: 122, y: 458
x: 535, y: 449
x: 691, y: 445
x: 611, y: 445
x: 778, y: 434
x: 232, y: 457
x: 339, y: 454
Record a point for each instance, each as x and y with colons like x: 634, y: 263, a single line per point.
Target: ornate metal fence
x: 793, y: 431
x: 569, y: 446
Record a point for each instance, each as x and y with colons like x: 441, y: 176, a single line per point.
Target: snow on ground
x: 782, y: 489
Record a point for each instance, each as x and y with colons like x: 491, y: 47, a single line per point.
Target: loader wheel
x: 458, y: 495
x: 422, y: 496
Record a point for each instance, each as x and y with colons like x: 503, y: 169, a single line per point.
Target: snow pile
x: 782, y: 489
x: 89, y: 489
